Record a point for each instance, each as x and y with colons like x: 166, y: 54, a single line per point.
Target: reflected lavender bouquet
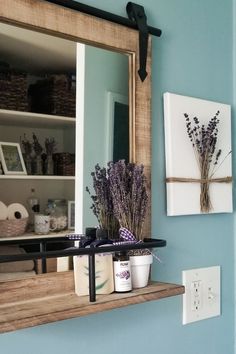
x: 129, y: 195
x: 102, y: 206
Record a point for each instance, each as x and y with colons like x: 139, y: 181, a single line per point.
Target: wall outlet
x: 202, y: 294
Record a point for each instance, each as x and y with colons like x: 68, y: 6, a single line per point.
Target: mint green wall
x: 105, y: 71
x: 234, y: 140
x: 193, y: 57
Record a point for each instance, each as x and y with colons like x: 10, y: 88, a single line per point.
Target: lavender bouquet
x: 128, y: 190
x: 37, y: 146
x: 50, y: 146
x: 204, y: 142
x: 102, y: 206
x: 27, y: 146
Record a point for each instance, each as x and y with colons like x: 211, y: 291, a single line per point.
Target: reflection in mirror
x: 106, y: 84
x: 102, y: 118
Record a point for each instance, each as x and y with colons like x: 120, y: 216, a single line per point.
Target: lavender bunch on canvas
x: 129, y: 195
x: 102, y: 206
x: 204, y: 142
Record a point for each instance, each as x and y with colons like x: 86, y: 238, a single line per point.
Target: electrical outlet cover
x: 202, y: 294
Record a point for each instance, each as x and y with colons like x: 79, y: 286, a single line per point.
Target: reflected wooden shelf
x: 48, y: 300
x: 33, y: 236
x: 8, y: 117
x: 38, y: 177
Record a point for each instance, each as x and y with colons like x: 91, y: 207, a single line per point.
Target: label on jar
x: 122, y: 276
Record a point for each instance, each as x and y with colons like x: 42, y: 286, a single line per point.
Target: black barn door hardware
x: 137, y: 20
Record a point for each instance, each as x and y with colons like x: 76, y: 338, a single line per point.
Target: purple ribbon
x: 126, y: 235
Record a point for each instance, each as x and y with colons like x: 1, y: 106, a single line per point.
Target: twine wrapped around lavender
x: 129, y: 195
x: 204, y: 142
x: 102, y: 206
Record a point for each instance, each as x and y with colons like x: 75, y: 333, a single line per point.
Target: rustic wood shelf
x: 24, y: 303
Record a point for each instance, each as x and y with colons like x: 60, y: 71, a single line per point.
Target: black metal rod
x: 74, y: 251
x: 43, y: 248
x: 92, y: 279
x: 74, y: 5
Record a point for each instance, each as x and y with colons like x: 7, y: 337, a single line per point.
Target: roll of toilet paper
x: 17, y: 211
x: 3, y: 211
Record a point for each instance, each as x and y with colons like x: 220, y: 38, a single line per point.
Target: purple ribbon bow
x: 126, y: 235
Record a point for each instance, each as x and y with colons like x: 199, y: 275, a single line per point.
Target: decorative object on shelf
x: 12, y: 159
x: 129, y: 195
x: 27, y: 151
x: 71, y: 214
x: 13, y: 88
x: 140, y: 261
x: 140, y: 270
x: 37, y: 162
x: 42, y: 224
x: 121, y: 193
x: 50, y: 165
x: 64, y: 164
x: 103, y: 274
x: 53, y: 94
x: 57, y: 209
x: 13, y: 221
x: 102, y: 206
x: 122, y: 272
x: 198, y: 155
x: 44, y: 163
x: 36, y: 158
x: 50, y: 148
x: 11, y: 228
x: 33, y: 207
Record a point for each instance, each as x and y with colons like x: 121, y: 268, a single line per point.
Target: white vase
x: 140, y: 268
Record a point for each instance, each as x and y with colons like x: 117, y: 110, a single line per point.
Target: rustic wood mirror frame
x: 51, y: 19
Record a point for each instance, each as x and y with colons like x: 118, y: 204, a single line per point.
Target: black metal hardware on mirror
x: 137, y: 20
x: 147, y: 243
x: 136, y: 13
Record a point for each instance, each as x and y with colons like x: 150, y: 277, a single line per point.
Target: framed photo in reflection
x: 12, y: 159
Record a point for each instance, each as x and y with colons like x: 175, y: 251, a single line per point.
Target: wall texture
x: 193, y: 57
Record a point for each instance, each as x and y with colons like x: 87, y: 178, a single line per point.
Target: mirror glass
x: 31, y: 62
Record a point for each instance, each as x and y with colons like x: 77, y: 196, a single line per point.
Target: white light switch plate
x: 202, y: 294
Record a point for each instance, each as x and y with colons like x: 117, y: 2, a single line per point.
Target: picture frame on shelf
x: 71, y: 214
x: 12, y: 159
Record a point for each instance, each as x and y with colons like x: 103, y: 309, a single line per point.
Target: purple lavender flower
x: 102, y: 206
x: 130, y: 199
x: 125, y: 274
x: 204, y: 141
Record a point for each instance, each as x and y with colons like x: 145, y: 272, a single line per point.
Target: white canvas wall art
x: 193, y: 127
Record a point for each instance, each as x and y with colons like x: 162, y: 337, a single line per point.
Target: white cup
x: 42, y: 224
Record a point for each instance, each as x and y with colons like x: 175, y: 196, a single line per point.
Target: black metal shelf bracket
x: 137, y: 20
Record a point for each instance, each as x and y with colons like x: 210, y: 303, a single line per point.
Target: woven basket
x: 64, y: 164
x: 53, y: 95
x: 13, y: 91
x: 10, y: 228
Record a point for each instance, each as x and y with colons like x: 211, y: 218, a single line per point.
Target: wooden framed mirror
x: 43, y: 17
